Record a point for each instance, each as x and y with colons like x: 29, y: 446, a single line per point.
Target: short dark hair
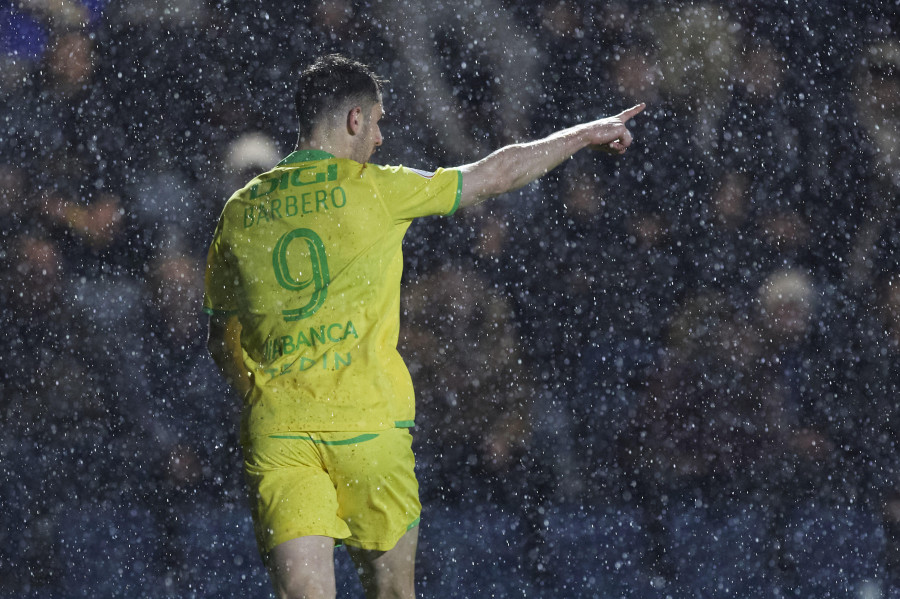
x: 329, y: 83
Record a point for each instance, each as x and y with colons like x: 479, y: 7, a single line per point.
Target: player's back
x: 310, y: 259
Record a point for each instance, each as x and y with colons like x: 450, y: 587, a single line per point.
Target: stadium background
x: 669, y: 374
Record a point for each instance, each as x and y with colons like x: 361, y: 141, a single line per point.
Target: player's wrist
x: 582, y: 135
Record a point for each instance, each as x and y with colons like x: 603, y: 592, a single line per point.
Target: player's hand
x: 611, y: 134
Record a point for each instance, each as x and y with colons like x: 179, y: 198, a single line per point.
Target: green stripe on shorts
x: 350, y: 441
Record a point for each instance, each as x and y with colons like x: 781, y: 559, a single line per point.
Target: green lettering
x: 301, y: 339
x: 317, y: 335
x: 339, y: 361
x: 321, y: 199
x: 263, y: 213
x: 285, y: 178
x: 334, y: 197
x: 333, y: 338
x: 306, y: 363
x: 255, y: 193
x: 296, y: 179
x: 248, y: 217
x: 350, y: 330
x: 275, y: 208
x: 305, y: 203
x: 332, y: 172
x: 290, y: 206
x: 288, y: 344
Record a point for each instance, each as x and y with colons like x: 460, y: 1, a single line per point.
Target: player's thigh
x: 303, y: 567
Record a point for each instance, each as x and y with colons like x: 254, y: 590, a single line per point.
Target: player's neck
x: 326, y: 143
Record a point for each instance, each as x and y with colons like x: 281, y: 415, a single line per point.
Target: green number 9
x: 319, y: 266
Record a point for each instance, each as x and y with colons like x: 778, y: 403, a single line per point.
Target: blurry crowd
x: 705, y: 329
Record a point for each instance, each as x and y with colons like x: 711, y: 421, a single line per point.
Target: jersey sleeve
x: 221, y: 276
x: 409, y: 193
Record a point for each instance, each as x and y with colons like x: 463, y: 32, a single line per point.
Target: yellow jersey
x: 308, y: 256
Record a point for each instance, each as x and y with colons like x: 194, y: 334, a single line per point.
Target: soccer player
x: 303, y: 293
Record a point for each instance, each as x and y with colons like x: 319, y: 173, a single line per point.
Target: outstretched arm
x: 517, y: 165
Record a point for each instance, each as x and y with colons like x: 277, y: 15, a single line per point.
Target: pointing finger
x: 626, y: 115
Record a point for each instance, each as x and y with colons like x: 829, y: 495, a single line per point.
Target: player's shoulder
x: 261, y: 185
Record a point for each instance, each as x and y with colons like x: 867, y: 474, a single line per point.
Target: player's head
x: 329, y: 90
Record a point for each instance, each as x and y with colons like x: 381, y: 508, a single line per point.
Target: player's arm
x: 517, y: 165
x: 224, y: 345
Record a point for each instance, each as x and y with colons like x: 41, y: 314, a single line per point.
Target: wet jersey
x: 309, y: 258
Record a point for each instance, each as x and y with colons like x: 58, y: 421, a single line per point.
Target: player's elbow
x: 485, y: 179
x: 505, y: 172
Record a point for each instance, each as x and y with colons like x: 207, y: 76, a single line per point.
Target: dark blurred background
x: 669, y: 374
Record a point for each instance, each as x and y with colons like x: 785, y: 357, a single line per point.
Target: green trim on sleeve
x: 404, y: 423
x: 459, y: 183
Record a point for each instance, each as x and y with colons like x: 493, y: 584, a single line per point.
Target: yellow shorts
x: 358, y: 487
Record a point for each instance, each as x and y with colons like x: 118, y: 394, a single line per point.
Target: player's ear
x: 354, y: 120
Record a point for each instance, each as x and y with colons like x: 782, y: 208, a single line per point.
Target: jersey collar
x: 305, y: 156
